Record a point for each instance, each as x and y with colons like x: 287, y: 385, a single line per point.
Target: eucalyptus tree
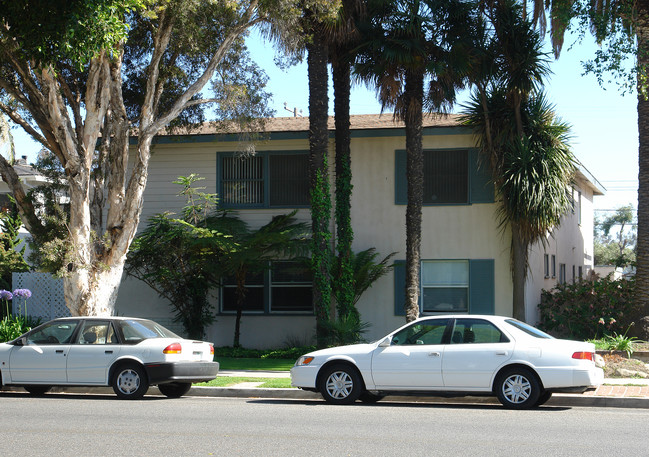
x: 524, y: 143
x: 414, y: 53
x: 85, y: 70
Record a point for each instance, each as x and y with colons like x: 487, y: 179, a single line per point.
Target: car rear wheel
x: 130, y: 382
x: 37, y: 390
x: 175, y: 389
x: 518, y: 388
x: 340, y: 384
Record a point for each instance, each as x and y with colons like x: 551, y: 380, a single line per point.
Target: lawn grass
x: 228, y: 381
x: 232, y: 363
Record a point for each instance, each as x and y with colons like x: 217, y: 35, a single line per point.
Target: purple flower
x: 24, y: 293
x: 5, y: 295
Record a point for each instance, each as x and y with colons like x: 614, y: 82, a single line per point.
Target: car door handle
x: 434, y: 354
x: 501, y: 353
x: 59, y: 351
x: 108, y: 352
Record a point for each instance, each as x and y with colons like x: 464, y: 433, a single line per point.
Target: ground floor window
x: 286, y: 287
x: 445, y: 285
x: 456, y: 285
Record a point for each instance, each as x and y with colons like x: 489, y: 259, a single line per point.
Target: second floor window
x: 264, y: 180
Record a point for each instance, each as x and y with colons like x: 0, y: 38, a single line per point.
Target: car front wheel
x: 174, y: 389
x: 340, y: 384
x: 518, y: 388
x: 130, y: 382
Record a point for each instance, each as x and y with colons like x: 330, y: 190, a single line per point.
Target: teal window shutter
x: 482, y: 189
x: 400, y: 182
x: 482, y: 290
x: 399, y: 287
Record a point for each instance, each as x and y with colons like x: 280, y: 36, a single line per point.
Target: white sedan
x: 453, y: 356
x: 129, y: 354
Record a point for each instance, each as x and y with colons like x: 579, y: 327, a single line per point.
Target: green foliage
x: 52, y: 31
x: 320, y: 253
x: 11, y: 258
x: 283, y: 353
x: 588, y: 309
x: 617, y: 248
x: 615, y: 342
x: 175, y: 258
x: 11, y: 327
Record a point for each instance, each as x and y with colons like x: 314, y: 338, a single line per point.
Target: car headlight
x: 304, y: 360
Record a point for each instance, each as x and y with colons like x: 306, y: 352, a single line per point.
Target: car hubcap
x: 339, y: 385
x: 128, y: 382
x: 517, y: 389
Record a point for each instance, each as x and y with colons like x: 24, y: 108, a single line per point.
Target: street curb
x: 557, y: 400
x: 564, y: 400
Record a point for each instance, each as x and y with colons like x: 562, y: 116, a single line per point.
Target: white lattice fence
x: 47, y: 301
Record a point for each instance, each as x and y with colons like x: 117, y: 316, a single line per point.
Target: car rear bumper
x: 160, y: 373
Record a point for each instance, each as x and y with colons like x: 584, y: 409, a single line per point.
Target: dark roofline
x: 297, y: 128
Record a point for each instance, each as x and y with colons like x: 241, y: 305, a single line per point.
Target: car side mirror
x: 387, y: 342
x: 22, y: 341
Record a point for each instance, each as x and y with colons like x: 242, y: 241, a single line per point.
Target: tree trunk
x: 241, y: 298
x: 344, y: 231
x: 519, y: 273
x: 413, y: 97
x: 642, y: 275
x: 319, y: 177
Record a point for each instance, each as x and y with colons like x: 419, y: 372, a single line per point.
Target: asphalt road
x: 93, y: 425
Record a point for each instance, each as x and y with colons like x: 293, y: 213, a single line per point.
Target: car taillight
x: 583, y: 356
x: 211, y: 349
x: 173, y: 348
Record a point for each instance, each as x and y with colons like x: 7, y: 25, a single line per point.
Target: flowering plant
x: 24, y: 294
x: 6, y: 296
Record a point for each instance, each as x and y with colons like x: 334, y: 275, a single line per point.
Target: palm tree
x: 343, y: 38
x: 410, y: 54
x: 254, y: 249
x: 526, y: 147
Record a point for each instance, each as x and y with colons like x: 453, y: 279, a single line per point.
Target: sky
x: 604, y: 122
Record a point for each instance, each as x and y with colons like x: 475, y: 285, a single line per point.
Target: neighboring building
x: 465, y: 255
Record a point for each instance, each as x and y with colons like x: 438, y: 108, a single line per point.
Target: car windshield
x: 533, y: 331
x: 138, y: 330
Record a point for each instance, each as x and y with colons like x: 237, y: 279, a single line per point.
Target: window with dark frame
x: 562, y: 273
x: 546, y: 265
x: 286, y: 288
x: 553, y: 265
x: 445, y: 286
x: 446, y: 176
x: 264, y: 180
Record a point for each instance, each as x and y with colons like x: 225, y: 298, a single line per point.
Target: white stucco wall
x: 449, y: 232
x: 571, y: 243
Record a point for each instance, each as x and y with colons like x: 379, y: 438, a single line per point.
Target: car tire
x: 37, y: 390
x: 129, y: 381
x: 543, y: 398
x: 518, y: 388
x: 368, y: 397
x: 340, y: 384
x: 174, y: 389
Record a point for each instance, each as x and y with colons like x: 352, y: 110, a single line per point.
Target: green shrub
x: 589, y: 309
x: 11, y: 327
x: 285, y: 353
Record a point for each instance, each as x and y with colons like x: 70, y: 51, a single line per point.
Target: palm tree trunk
x: 320, y: 199
x: 344, y: 231
x: 413, y: 96
x: 519, y: 272
x: 642, y: 276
